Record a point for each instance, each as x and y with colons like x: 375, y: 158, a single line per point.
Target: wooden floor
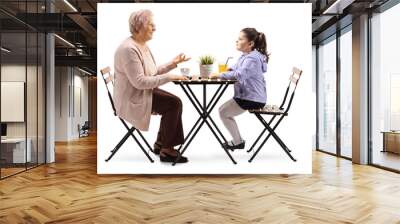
x: 386, y: 159
x: 10, y: 171
x: 70, y: 191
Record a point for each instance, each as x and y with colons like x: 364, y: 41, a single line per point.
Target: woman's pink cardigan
x: 135, y: 79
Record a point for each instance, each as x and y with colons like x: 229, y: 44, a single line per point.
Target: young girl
x: 250, y: 90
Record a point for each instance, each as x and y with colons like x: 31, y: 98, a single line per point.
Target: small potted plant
x: 206, y: 66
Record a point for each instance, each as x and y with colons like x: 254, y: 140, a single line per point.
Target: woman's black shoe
x: 230, y: 145
x: 170, y: 159
x: 157, y: 148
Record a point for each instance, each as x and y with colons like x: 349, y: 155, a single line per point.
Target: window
x: 346, y: 93
x: 327, y: 96
x: 385, y: 89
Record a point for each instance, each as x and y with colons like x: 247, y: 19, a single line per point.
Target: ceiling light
x: 84, y: 71
x: 338, y: 6
x: 5, y: 50
x: 64, y: 40
x: 70, y: 5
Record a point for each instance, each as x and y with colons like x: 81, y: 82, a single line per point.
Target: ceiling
x: 76, y: 22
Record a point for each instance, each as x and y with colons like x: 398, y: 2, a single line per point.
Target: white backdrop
x: 198, y: 29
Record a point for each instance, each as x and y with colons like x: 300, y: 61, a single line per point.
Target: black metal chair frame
x: 130, y: 130
x: 293, y: 80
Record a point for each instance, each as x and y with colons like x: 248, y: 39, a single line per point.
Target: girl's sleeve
x: 247, y: 69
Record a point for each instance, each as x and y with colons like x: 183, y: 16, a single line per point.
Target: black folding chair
x: 279, y: 113
x: 109, y: 78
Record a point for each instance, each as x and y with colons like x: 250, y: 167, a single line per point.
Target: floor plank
x: 70, y: 191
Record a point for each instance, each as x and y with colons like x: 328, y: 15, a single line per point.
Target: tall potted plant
x: 206, y: 65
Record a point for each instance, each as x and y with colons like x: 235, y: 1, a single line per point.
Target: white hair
x: 138, y: 20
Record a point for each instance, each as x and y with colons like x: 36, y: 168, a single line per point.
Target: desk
x: 391, y: 141
x: 13, y: 150
x: 204, y: 109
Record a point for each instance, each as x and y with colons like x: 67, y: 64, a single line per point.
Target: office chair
x: 84, y: 129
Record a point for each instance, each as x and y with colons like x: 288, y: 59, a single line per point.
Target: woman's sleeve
x: 135, y: 72
x: 245, y: 70
x: 162, y: 69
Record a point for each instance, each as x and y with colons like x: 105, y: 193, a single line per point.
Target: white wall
x: 61, y: 103
x: 12, y: 73
x: 67, y: 116
x: 33, y: 127
x: 81, y: 83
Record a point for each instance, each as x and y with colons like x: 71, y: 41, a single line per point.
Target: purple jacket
x: 249, y: 72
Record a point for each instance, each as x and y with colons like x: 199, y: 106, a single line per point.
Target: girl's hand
x: 180, y: 58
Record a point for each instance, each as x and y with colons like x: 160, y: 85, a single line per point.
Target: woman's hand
x: 180, y: 58
x: 173, y: 77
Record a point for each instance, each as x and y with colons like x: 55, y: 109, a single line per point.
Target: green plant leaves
x: 207, y: 60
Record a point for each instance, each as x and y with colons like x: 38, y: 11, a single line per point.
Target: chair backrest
x: 108, y: 79
x: 86, y: 125
x: 292, y: 86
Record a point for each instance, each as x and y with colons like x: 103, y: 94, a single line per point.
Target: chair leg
x: 145, y: 141
x: 276, y: 137
x: 257, y: 140
x: 136, y: 140
x: 259, y: 117
x: 261, y: 134
x: 126, y: 136
x: 141, y: 147
x: 120, y: 143
x: 282, y: 144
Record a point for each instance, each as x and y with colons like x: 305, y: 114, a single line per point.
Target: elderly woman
x: 136, y: 92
